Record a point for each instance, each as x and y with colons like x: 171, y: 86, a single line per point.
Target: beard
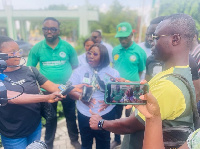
x: 51, y: 39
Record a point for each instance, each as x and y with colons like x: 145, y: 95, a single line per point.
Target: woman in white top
x: 97, y: 65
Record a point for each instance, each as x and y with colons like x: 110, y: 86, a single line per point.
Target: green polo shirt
x: 55, y: 64
x: 129, y: 62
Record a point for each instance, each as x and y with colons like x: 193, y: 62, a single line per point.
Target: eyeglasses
x: 92, y: 53
x: 16, y: 52
x: 95, y: 37
x: 154, y: 37
x: 52, y: 29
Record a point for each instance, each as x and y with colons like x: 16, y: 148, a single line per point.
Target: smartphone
x: 87, y: 93
x: 125, y: 93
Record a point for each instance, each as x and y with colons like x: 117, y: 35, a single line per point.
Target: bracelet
x: 100, y: 124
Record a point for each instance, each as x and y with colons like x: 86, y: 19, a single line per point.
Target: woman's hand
x: 151, y: 109
x: 94, y: 120
x: 90, y: 104
x: 102, y: 106
x: 54, y: 97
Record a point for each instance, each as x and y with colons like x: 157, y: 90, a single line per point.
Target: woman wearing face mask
x: 87, y: 44
x: 97, y: 65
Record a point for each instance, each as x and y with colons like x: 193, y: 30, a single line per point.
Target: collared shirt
x: 129, y: 62
x: 77, y: 78
x: 173, y: 97
x: 55, y: 64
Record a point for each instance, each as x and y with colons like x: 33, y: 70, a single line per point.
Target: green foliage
x: 110, y: 38
x: 79, y: 45
x: 107, y: 24
x: 69, y: 28
x: 190, y: 7
x: 60, y: 113
x: 116, y: 14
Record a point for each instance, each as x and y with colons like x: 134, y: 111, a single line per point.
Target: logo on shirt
x: 116, y: 57
x: 62, y: 54
x: 132, y: 58
x: 20, y: 82
x: 54, y: 63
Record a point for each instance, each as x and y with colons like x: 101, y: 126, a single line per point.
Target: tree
x: 109, y: 20
x: 190, y: 7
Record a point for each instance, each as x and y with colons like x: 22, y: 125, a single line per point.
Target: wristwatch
x: 100, y: 124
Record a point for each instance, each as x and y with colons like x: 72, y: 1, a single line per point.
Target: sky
x: 143, y: 6
x: 103, y: 4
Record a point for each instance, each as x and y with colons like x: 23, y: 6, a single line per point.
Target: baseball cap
x: 124, y: 29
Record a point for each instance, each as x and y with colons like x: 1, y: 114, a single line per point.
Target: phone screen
x: 87, y: 94
x: 125, y: 93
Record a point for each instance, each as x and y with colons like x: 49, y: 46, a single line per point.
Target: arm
x: 31, y: 98
x: 74, y: 94
x: 124, y: 125
x: 140, y: 73
x: 120, y: 126
x: 73, y: 59
x: 153, y: 137
x: 184, y: 146
x: 50, y: 86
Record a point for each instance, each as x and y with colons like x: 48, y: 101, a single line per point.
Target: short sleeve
x: 170, y: 99
x: 73, y: 57
x: 75, y: 77
x: 32, y: 57
x: 40, y: 78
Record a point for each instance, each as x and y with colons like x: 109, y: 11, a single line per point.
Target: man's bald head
x: 182, y: 24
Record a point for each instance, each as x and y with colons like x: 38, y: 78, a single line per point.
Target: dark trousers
x: 102, y: 137
x: 118, y: 114
x: 70, y: 115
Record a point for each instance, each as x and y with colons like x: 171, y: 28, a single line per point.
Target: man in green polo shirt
x: 129, y: 59
x: 57, y: 59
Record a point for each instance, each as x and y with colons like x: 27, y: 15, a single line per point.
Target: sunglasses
x: 95, y: 37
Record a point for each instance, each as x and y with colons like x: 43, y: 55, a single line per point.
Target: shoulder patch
x: 116, y: 57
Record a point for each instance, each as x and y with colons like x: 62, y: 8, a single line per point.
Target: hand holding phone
x: 125, y: 93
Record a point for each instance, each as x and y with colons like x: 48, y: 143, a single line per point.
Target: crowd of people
x: 171, y: 103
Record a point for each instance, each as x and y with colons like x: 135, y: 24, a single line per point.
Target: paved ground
x: 62, y: 140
